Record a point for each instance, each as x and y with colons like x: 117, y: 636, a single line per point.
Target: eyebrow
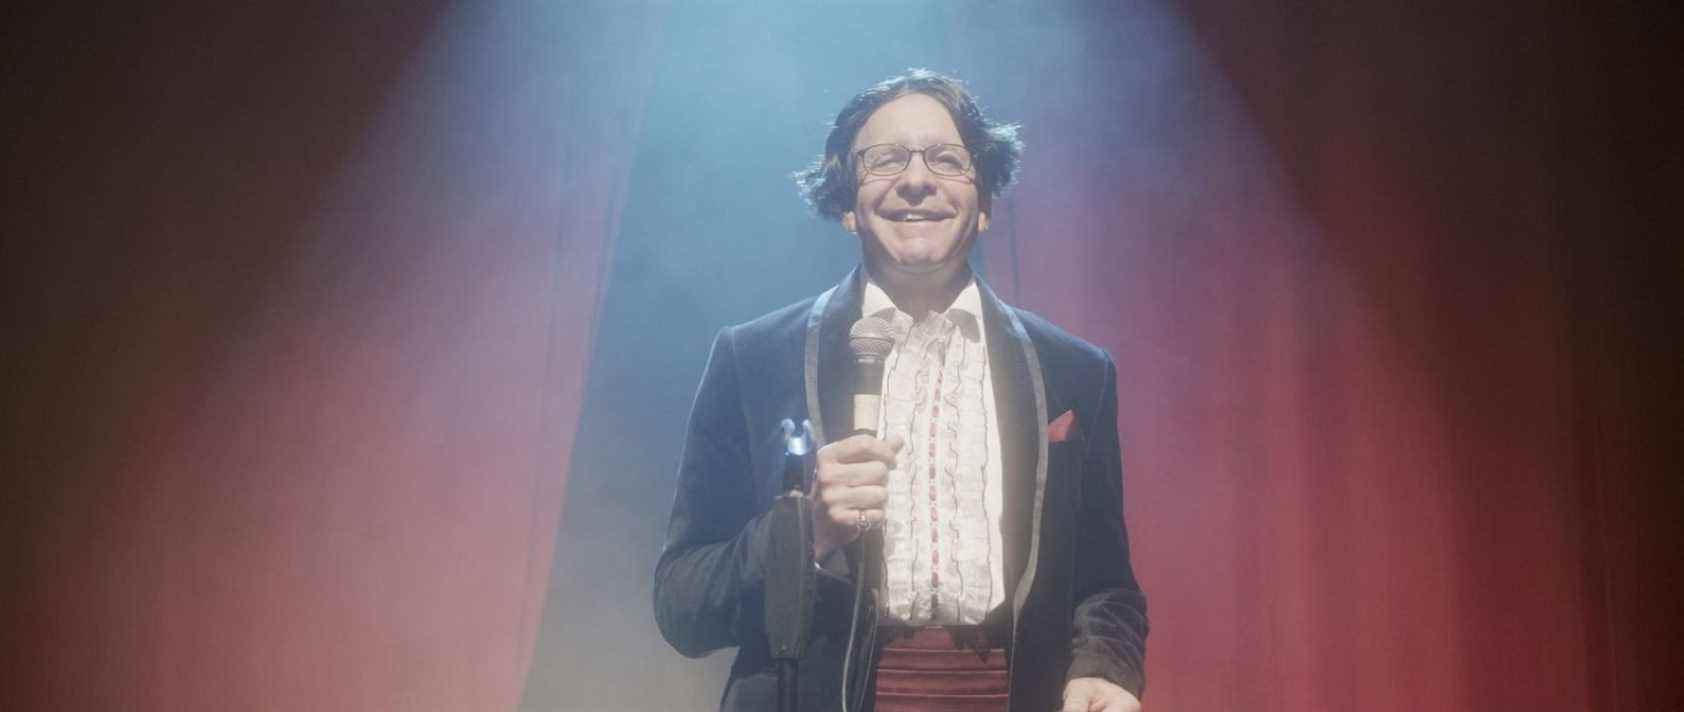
x: 915, y: 141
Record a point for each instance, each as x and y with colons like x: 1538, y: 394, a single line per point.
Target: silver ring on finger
x: 860, y: 522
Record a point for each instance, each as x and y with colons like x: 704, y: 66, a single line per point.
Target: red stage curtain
x: 301, y: 300
x: 308, y: 295
x: 1379, y: 333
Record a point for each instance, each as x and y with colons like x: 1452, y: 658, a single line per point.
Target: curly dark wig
x: 829, y: 183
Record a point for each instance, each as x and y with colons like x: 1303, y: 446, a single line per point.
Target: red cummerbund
x: 940, y: 670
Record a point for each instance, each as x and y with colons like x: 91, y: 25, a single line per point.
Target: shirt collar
x: 875, y: 300
x: 965, y: 312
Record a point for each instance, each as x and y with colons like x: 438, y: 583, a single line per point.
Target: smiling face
x: 914, y: 225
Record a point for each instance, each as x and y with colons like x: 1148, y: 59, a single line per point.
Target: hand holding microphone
x: 849, y: 491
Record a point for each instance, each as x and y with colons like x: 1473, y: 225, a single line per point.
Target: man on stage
x: 1004, y: 579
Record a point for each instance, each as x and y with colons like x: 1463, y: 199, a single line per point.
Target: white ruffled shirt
x: 941, y: 541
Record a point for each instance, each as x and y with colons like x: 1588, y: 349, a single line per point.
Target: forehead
x: 914, y: 120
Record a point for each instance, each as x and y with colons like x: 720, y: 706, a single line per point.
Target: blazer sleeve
x: 1110, y: 625
x: 715, y: 546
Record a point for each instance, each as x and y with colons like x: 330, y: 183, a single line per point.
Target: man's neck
x: 920, y: 294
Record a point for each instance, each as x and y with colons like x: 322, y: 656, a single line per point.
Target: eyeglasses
x: 887, y: 159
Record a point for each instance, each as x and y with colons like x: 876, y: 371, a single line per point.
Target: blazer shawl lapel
x: 828, y: 361
x: 1021, y: 403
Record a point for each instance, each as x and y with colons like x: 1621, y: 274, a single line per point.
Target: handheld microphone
x: 870, y: 339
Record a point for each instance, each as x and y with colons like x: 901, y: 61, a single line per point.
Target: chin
x: 918, y: 267
x: 922, y: 263
x: 915, y: 254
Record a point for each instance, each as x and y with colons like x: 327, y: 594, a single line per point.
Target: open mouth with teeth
x: 917, y: 216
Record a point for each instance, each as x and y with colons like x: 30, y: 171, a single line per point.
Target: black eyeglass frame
x: 970, y: 160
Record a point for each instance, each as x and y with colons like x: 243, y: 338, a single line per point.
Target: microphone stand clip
x: 791, y: 584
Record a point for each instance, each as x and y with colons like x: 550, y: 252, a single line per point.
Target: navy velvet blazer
x: 1073, y: 607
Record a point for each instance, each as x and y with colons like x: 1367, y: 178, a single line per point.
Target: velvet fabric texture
x: 1075, y: 608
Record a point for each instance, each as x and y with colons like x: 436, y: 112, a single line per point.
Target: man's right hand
x: 849, y: 487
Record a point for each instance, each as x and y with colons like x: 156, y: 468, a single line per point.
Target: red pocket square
x: 1062, y: 428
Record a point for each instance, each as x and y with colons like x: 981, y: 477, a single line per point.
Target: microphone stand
x: 790, y: 577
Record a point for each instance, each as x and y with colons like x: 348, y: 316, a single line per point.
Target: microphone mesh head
x: 872, y: 338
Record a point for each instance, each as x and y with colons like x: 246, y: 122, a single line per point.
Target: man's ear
x: 848, y: 222
x: 982, y: 221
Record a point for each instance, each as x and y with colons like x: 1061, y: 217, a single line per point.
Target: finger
x: 850, y: 516
x: 853, y: 474
x: 866, y: 497
x: 834, y: 451
x: 1077, y: 698
x: 862, y: 448
x: 839, y: 474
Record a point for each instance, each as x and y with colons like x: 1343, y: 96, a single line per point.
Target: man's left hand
x: 1093, y: 694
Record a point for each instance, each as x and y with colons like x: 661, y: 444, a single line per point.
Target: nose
x: 916, y: 181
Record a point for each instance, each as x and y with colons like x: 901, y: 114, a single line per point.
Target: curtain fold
x: 303, y: 301
x: 316, y: 291
x: 1374, y: 350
